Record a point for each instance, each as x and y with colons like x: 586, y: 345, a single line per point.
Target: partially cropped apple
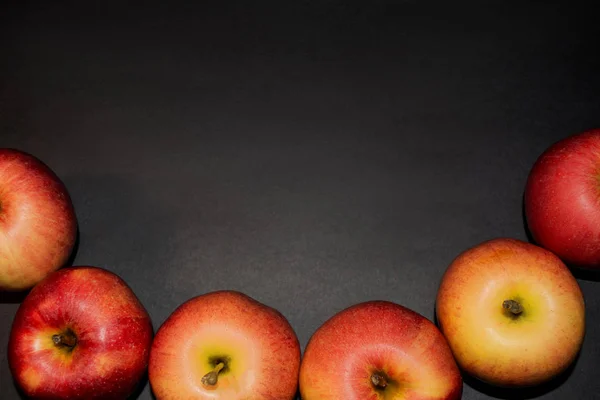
x: 512, y: 312
x: 562, y: 199
x: 81, y: 333
x: 225, y: 345
x: 38, y: 225
x: 379, y: 350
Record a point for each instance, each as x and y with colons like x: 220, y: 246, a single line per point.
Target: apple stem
x: 513, y: 306
x: 66, y: 339
x: 378, y: 380
x: 212, y: 377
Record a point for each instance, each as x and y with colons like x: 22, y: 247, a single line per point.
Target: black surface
x: 313, y: 155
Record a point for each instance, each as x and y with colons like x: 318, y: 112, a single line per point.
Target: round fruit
x: 379, y: 350
x: 225, y: 345
x: 81, y: 333
x: 512, y: 312
x: 38, y: 226
x: 562, y: 199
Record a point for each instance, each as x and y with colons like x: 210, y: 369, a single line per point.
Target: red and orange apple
x: 512, y: 313
x: 81, y: 333
x: 562, y: 199
x: 379, y: 350
x: 225, y: 345
x: 38, y: 225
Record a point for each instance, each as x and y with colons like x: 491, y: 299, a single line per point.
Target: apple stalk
x: 378, y: 380
x: 212, y: 377
x: 513, y: 306
x: 65, y: 339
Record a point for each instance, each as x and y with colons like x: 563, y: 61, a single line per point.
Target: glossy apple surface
x: 512, y: 312
x: 38, y: 225
x: 562, y: 199
x: 81, y: 333
x: 225, y: 345
x: 379, y: 350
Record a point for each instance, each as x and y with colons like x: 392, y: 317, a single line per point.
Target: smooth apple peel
x: 31, y: 378
x: 405, y: 370
x: 204, y: 356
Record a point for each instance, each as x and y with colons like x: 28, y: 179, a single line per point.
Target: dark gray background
x: 312, y: 154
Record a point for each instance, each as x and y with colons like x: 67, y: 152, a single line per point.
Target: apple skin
x: 114, y: 334
x: 383, y: 337
x: 562, y: 199
x: 38, y: 225
x: 260, y: 345
x: 488, y: 341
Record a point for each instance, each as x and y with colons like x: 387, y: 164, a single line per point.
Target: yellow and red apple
x: 225, y: 345
x: 38, y: 225
x: 379, y: 350
x: 512, y: 313
x: 81, y: 333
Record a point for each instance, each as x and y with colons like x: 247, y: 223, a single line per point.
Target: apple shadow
x: 13, y: 297
x: 523, y: 393
x: 140, y: 386
x: 508, y: 393
x: 73, y: 255
x: 20, y: 392
x: 585, y: 274
x: 528, y: 233
x: 152, y: 392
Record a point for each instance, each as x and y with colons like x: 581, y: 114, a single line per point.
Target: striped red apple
x: 379, y: 350
x: 81, y: 333
x: 38, y: 226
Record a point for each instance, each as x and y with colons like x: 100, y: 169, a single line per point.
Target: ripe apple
x: 562, y: 199
x: 225, y: 345
x: 38, y: 225
x: 81, y: 333
x: 379, y: 350
x: 512, y: 312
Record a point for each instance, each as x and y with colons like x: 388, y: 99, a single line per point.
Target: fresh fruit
x: 225, y: 345
x: 512, y: 312
x: 81, y: 333
x: 378, y: 350
x: 562, y: 199
x: 38, y: 226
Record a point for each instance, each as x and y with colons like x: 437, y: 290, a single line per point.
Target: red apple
x: 225, y: 345
x: 81, y: 333
x: 379, y: 350
x: 38, y: 225
x: 562, y: 199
